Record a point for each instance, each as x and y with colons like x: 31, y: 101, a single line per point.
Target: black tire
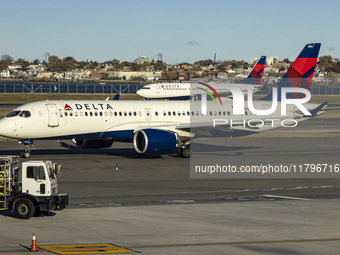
x: 186, y: 153
x: 179, y: 152
x: 26, y: 154
x: 24, y: 208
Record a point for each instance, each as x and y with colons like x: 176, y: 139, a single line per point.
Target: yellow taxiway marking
x: 230, y: 243
x: 85, y: 249
x: 110, y: 248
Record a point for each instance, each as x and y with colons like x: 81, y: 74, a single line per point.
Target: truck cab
x: 30, y: 188
x: 39, y: 178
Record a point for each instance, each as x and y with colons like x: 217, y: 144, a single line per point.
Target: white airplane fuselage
x: 188, y: 90
x: 119, y: 120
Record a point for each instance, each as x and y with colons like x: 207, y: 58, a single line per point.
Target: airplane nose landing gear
x: 26, y: 144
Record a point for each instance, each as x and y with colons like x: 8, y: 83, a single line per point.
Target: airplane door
x: 147, y: 114
x: 53, y: 119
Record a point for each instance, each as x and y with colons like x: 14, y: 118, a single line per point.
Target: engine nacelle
x: 154, y: 141
x: 94, y: 144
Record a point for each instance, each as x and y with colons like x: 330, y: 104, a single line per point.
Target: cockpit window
x: 24, y: 114
x: 12, y: 114
x: 146, y: 88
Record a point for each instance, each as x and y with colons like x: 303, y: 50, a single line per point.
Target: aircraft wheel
x: 26, y: 154
x: 179, y: 152
x: 186, y: 152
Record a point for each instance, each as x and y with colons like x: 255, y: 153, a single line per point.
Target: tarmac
x: 150, y: 205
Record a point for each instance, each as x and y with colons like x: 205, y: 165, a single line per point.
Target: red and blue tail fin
x: 300, y: 73
x: 256, y: 74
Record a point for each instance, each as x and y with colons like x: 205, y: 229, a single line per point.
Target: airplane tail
x: 256, y: 74
x: 300, y: 73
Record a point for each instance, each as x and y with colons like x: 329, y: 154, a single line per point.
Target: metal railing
x: 81, y: 88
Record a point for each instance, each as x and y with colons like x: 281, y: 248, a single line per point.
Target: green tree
x: 23, y: 63
x: 7, y: 58
x: 55, y: 64
x: 286, y: 60
x: 160, y: 65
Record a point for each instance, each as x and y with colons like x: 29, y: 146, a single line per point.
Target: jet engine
x: 94, y: 144
x: 154, y: 141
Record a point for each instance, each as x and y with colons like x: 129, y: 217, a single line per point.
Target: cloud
x: 192, y: 43
x: 331, y: 48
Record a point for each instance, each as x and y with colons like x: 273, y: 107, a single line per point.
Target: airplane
x: 189, y: 90
x: 158, y: 126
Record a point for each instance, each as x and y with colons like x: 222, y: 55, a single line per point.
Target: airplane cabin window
x: 110, y: 114
x: 125, y: 113
x: 115, y: 113
x: 65, y: 114
x: 156, y: 113
x: 81, y: 114
x: 179, y: 113
x: 95, y: 113
x: 76, y: 114
x: 86, y: 114
x: 139, y: 113
x: 164, y: 113
x: 130, y: 113
x: 134, y: 113
x: 71, y: 114
x: 100, y: 113
x: 105, y: 114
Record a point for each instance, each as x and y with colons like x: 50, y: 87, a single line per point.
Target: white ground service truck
x: 30, y: 189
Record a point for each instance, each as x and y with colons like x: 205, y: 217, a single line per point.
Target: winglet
x: 256, y: 74
x: 315, y: 111
x: 300, y: 74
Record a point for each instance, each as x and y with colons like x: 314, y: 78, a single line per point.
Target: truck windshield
x: 50, y: 171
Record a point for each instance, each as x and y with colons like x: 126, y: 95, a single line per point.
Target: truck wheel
x: 24, y: 208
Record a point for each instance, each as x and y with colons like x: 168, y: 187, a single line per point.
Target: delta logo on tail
x: 300, y: 74
x: 256, y: 74
x: 213, y: 90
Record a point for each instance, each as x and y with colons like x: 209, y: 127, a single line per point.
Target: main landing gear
x: 26, y: 144
x: 184, y: 151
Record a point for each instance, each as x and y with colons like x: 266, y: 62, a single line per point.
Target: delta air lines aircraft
x: 159, y: 126
x: 189, y: 90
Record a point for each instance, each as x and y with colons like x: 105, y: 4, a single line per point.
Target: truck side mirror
x: 60, y: 170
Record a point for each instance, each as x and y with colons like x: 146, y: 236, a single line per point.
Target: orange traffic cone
x: 34, y: 244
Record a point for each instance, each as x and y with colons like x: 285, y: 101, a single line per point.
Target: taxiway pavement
x: 151, y: 205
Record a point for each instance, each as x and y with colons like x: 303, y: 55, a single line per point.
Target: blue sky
x: 182, y: 30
